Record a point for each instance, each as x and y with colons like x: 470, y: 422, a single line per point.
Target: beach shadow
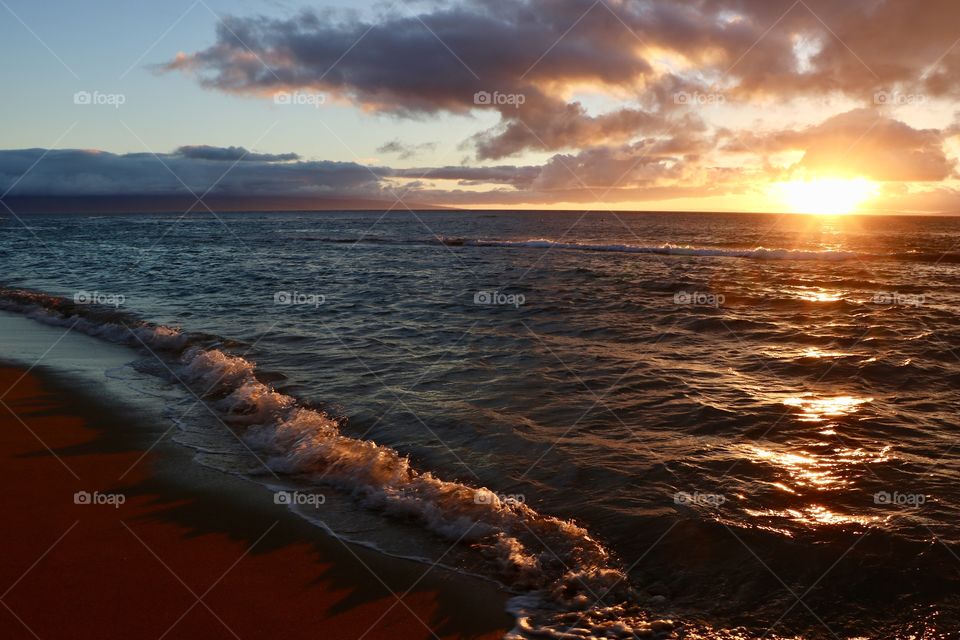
x: 328, y: 579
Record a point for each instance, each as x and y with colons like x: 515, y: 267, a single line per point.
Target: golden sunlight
x: 815, y: 409
x: 828, y: 196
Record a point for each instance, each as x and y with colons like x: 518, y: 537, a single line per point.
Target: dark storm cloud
x: 238, y: 154
x: 861, y: 142
x: 476, y: 55
x: 85, y: 172
x: 425, y: 63
x: 438, y: 59
x: 517, y: 176
x: 565, y: 177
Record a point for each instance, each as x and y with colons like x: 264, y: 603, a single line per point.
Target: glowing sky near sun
x: 813, y: 107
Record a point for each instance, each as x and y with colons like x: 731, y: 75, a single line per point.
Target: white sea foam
x: 522, y: 545
x: 761, y: 253
x: 556, y: 562
x: 215, y: 369
x: 95, y: 321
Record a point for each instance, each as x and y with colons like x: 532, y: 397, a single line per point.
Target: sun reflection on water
x: 814, y: 352
x: 820, y: 295
x: 815, y: 465
x: 816, y: 471
x: 814, y: 515
x: 819, y: 409
x: 803, y: 470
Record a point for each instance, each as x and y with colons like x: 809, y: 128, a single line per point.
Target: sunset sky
x: 755, y: 105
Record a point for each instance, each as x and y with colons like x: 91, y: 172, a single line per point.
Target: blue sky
x: 109, y: 47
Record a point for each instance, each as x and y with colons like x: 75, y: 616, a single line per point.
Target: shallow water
x: 750, y: 418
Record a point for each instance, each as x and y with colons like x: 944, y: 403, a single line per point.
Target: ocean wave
x: 561, y: 570
x: 757, y: 253
x: 951, y: 257
x: 557, y: 559
x: 98, y: 321
x: 760, y: 253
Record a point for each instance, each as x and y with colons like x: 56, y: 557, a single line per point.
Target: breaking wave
x: 561, y: 573
x: 758, y: 253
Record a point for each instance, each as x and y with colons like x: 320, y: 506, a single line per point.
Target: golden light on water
x: 815, y: 470
x: 814, y: 352
x: 813, y: 474
x: 816, y: 465
x: 813, y: 515
x: 825, y: 196
x: 813, y: 409
x: 803, y: 470
x: 819, y: 295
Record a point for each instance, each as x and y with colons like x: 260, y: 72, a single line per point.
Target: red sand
x: 77, y: 571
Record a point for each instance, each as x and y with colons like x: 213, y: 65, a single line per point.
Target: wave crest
x: 760, y: 253
x: 555, y: 561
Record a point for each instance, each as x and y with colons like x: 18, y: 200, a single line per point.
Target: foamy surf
x: 756, y: 253
x: 759, y: 253
x: 569, y: 586
x: 94, y: 320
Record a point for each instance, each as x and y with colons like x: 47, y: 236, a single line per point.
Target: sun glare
x: 831, y: 196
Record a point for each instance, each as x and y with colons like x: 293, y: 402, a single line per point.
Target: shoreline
x: 181, y: 549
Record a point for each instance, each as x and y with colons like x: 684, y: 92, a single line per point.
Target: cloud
x: 620, y: 173
x: 753, y: 48
x: 591, y: 90
x: 194, y: 169
x: 237, y: 154
x: 553, y: 125
x: 520, y: 177
x: 438, y: 59
x: 862, y: 142
x: 603, y: 169
x: 405, y: 151
x: 444, y: 60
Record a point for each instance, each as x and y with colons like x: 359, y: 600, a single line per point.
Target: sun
x: 826, y: 196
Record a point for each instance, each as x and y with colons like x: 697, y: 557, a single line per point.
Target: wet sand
x: 191, y: 553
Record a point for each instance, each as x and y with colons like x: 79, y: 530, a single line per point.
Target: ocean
x: 641, y: 424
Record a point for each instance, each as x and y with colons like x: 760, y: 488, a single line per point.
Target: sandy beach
x: 188, y: 553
